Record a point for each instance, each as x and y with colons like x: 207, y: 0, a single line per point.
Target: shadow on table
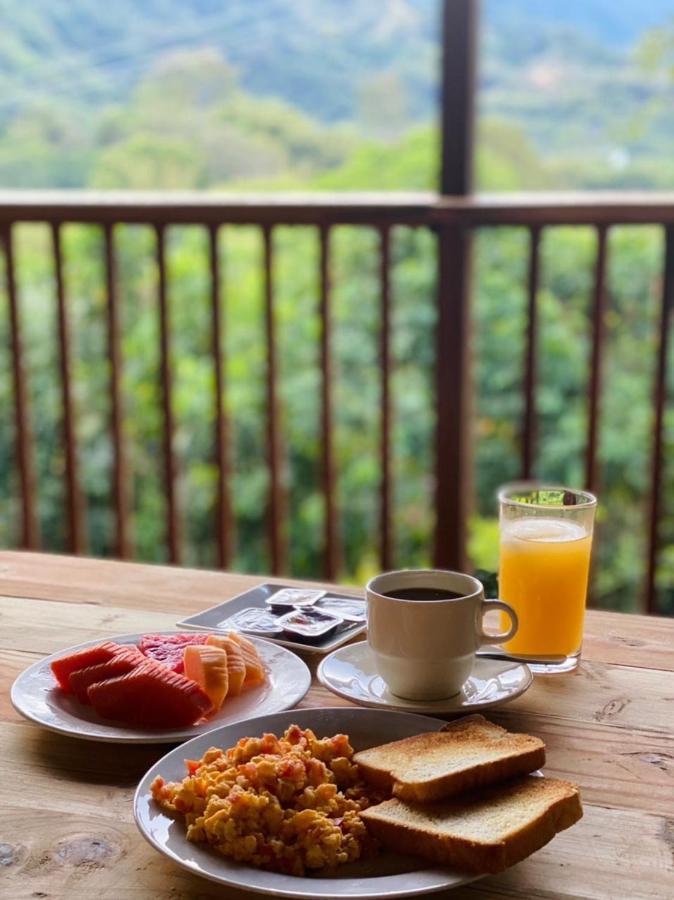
x: 92, y: 762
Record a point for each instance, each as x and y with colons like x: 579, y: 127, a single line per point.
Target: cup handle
x: 506, y: 635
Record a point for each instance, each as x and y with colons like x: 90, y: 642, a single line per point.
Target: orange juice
x: 543, y: 574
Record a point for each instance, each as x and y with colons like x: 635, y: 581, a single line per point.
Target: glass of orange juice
x: 545, y: 547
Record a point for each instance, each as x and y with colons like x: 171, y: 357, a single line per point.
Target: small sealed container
x: 289, y: 598
x: 351, y: 609
x: 309, y: 625
x: 253, y: 620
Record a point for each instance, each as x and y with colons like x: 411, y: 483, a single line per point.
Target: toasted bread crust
x: 386, y: 822
x: 496, y: 756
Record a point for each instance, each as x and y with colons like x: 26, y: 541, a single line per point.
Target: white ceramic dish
x: 215, y: 619
x: 351, y: 672
x: 36, y: 696
x: 385, y: 876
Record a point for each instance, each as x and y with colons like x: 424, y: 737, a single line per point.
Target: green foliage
x: 499, y: 329
x: 187, y: 118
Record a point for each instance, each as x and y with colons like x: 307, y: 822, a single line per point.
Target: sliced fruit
x: 121, y: 663
x: 168, y: 648
x: 207, y: 665
x: 236, y: 667
x: 150, y: 695
x: 64, y: 667
x: 255, y: 672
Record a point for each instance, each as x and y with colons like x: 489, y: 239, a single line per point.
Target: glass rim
x: 587, y: 499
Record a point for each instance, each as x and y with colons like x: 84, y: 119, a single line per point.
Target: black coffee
x: 422, y: 593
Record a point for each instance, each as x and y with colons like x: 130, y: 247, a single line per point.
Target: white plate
x: 385, y: 876
x: 37, y: 697
x: 351, y: 673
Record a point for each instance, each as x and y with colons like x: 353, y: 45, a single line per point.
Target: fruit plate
x: 387, y: 875
x: 36, y: 696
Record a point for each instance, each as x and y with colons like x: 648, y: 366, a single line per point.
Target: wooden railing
x: 452, y: 220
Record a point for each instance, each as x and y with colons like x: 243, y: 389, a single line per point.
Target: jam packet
x: 309, y: 625
x: 253, y: 620
x: 351, y: 609
x: 294, y: 597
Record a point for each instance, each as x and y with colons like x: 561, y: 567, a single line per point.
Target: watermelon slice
x: 121, y: 663
x: 151, y: 696
x: 168, y: 648
x: 64, y: 667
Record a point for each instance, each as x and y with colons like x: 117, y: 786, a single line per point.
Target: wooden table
x: 66, y: 828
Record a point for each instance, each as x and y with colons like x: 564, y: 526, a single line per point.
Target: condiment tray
x: 215, y: 618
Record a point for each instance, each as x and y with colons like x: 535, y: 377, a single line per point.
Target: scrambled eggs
x: 289, y: 804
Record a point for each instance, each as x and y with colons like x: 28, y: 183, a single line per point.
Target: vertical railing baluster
x: 224, y: 522
x: 452, y: 451
x: 385, y: 551
x: 120, y: 479
x: 598, y: 329
x: 277, y: 543
x: 30, y: 532
x: 660, y: 400
x: 74, y: 499
x: 531, y: 355
x: 166, y: 375
x: 331, y: 522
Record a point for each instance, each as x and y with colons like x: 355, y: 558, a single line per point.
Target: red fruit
x: 168, y: 648
x: 151, y: 696
x: 92, y: 656
x: 121, y: 663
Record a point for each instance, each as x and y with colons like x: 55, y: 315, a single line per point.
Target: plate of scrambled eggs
x: 272, y: 805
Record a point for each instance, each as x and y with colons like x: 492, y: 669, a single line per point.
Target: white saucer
x: 350, y: 672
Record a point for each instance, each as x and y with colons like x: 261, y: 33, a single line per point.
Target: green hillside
x: 199, y: 94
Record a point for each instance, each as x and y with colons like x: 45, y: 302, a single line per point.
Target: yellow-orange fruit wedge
x: 236, y: 667
x: 207, y: 665
x: 254, y: 669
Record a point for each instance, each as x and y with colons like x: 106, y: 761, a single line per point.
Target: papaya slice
x: 152, y: 696
x: 64, y: 667
x: 207, y: 665
x: 236, y: 667
x: 121, y: 663
x: 255, y: 672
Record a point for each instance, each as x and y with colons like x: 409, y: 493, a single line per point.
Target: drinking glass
x: 545, y: 547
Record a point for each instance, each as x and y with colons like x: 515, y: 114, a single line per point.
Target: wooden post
x: 452, y: 466
x: 659, y: 402
x: 30, y: 528
x: 531, y: 355
x: 77, y: 539
x: 120, y: 470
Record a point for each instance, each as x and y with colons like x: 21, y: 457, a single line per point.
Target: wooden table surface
x: 66, y: 826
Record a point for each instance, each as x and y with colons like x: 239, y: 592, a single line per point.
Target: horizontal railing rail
x: 316, y: 208
x: 452, y: 220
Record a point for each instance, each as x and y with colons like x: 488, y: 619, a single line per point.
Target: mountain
x: 82, y: 78
x: 315, y: 54
x: 613, y: 22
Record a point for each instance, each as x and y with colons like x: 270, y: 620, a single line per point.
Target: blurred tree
x: 383, y: 106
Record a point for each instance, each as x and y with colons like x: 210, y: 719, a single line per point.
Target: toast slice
x: 482, y: 833
x: 467, y: 754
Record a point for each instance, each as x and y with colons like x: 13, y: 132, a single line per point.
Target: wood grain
x: 610, y: 637
x: 66, y: 828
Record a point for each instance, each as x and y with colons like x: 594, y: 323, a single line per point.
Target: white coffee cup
x: 425, y: 649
